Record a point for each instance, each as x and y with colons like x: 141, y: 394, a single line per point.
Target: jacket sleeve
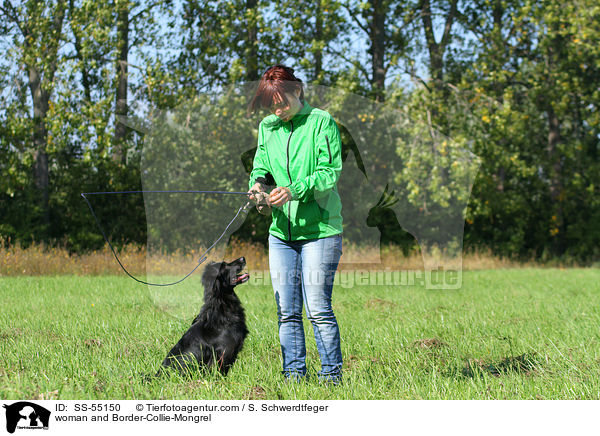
x: 329, y: 165
x: 260, y: 166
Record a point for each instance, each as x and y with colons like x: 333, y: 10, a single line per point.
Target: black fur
x: 217, y: 334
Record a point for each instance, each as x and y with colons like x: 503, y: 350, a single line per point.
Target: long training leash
x: 243, y: 208
x: 202, y: 258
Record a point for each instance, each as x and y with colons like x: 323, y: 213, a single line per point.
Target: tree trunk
x: 252, y: 73
x: 437, y: 50
x: 556, y: 186
x: 377, y: 37
x: 85, y: 77
x: 40, y: 86
x: 498, y: 44
x: 119, y: 145
x: 318, y: 55
x: 554, y: 53
x: 40, y: 138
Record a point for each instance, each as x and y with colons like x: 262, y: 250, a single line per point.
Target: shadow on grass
x: 526, y: 364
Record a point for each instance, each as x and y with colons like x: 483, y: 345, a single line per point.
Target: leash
x: 204, y: 255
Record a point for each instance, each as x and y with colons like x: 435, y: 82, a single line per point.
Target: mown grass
x: 506, y: 334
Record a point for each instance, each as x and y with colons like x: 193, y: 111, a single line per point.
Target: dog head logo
x: 26, y: 415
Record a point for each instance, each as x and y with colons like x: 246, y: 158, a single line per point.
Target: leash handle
x: 204, y: 256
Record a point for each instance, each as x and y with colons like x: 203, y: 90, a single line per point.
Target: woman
x: 299, y: 148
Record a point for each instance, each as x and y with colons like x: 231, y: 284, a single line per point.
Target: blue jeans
x: 303, y: 271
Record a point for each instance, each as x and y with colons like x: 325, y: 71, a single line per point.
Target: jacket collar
x: 304, y: 110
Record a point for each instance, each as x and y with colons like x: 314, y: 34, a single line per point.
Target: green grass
x: 507, y: 334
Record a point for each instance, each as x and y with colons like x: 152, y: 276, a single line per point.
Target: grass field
x: 506, y: 334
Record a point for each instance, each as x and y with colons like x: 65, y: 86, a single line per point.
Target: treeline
x: 515, y: 80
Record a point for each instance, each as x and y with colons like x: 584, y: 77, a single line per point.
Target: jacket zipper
x: 290, y: 177
x: 328, y: 147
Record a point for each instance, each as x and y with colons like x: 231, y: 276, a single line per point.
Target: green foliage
x: 513, y: 82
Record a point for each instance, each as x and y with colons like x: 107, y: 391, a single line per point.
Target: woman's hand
x: 252, y: 193
x: 261, y: 198
x: 279, y: 196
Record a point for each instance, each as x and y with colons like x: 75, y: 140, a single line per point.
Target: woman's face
x: 286, y: 111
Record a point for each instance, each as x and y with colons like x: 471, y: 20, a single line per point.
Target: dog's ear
x: 223, y: 267
x: 213, y: 278
x: 211, y: 271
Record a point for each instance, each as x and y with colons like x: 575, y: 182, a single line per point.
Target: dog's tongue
x: 242, y: 278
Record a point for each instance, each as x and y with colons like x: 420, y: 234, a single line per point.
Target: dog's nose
x: 243, y: 259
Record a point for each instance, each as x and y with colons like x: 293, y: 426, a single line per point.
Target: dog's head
x: 222, y: 277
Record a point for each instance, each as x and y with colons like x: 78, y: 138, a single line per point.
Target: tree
x: 529, y: 100
x: 224, y: 42
x: 437, y: 50
x: 36, y: 29
x: 384, y: 24
x: 310, y: 30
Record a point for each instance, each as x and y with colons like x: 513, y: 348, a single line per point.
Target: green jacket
x: 303, y: 154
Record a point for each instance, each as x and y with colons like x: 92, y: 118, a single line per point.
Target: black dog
x: 217, y: 334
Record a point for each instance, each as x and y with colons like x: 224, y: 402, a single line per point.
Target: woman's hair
x: 277, y: 80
